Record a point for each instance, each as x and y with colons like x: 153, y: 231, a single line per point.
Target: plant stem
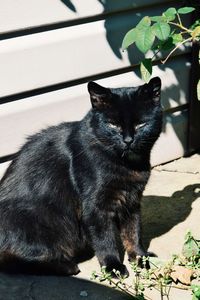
x: 180, y: 26
x: 161, y: 290
x: 177, y: 46
x: 121, y: 288
x: 136, y: 283
x: 179, y: 19
x: 185, y: 288
x: 185, y: 32
x: 169, y: 289
x: 155, y: 54
x: 193, y: 237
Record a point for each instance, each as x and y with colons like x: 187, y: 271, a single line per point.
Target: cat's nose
x: 128, y: 140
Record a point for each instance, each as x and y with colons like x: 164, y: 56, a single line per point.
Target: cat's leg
x: 59, y: 268
x: 42, y: 265
x: 45, y: 246
x: 17, y: 255
x: 131, y: 236
x: 106, y: 242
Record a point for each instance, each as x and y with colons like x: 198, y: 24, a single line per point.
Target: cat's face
x: 127, y: 120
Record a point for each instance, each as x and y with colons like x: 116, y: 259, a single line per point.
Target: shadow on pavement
x: 54, y: 288
x: 161, y: 213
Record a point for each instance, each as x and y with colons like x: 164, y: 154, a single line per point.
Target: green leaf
x: 185, y: 10
x: 161, y: 30
x: 146, y: 69
x: 195, y: 24
x: 190, y: 247
x: 196, y: 290
x: 144, y: 23
x: 170, y: 13
x: 196, y: 32
x: 167, y: 44
x: 158, y: 19
x: 144, y: 39
x: 144, y: 35
x: 129, y: 38
x: 177, y: 38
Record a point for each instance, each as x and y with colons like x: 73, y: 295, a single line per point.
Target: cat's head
x: 127, y: 120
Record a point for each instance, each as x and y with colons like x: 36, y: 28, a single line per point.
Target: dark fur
x: 74, y: 189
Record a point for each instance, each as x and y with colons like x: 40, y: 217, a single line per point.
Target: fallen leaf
x: 182, y: 274
x: 159, y: 273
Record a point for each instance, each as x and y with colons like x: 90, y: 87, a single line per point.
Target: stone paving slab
x: 170, y: 207
x: 183, y: 165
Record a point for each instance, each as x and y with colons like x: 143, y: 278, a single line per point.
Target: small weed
x: 178, y: 272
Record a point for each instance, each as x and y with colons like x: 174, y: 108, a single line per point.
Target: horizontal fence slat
x: 63, y: 55
x: 22, y: 14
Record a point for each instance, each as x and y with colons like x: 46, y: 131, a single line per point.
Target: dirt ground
x: 171, y: 206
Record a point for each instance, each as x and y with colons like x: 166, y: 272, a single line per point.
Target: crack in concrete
x: 30, y: 291
x: 176, y: 171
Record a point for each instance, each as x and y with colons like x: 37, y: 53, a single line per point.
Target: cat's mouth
x: 129, y: 154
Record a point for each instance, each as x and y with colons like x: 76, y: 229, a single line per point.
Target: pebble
x: 83, y: 294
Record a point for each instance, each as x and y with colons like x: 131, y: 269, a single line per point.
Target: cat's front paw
x: 113, y: 265
x: 141, y: 259
x: 114, y: 268
x: 143, y: 262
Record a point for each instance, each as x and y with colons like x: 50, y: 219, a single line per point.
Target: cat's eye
x: 114, y: 126
x: 138, y: 126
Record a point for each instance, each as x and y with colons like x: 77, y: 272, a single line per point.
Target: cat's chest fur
x: 116, y: 188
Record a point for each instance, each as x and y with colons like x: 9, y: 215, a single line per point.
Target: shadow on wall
x: 161, y: 214
x: 117, y: 26
x: 115, y: 30
x: 70, y: 5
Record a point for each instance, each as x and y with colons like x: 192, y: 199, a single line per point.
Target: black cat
x: 74, y: 190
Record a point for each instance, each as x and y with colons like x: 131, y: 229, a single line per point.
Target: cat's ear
x: 99, y: 95
x: 154, y: 88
